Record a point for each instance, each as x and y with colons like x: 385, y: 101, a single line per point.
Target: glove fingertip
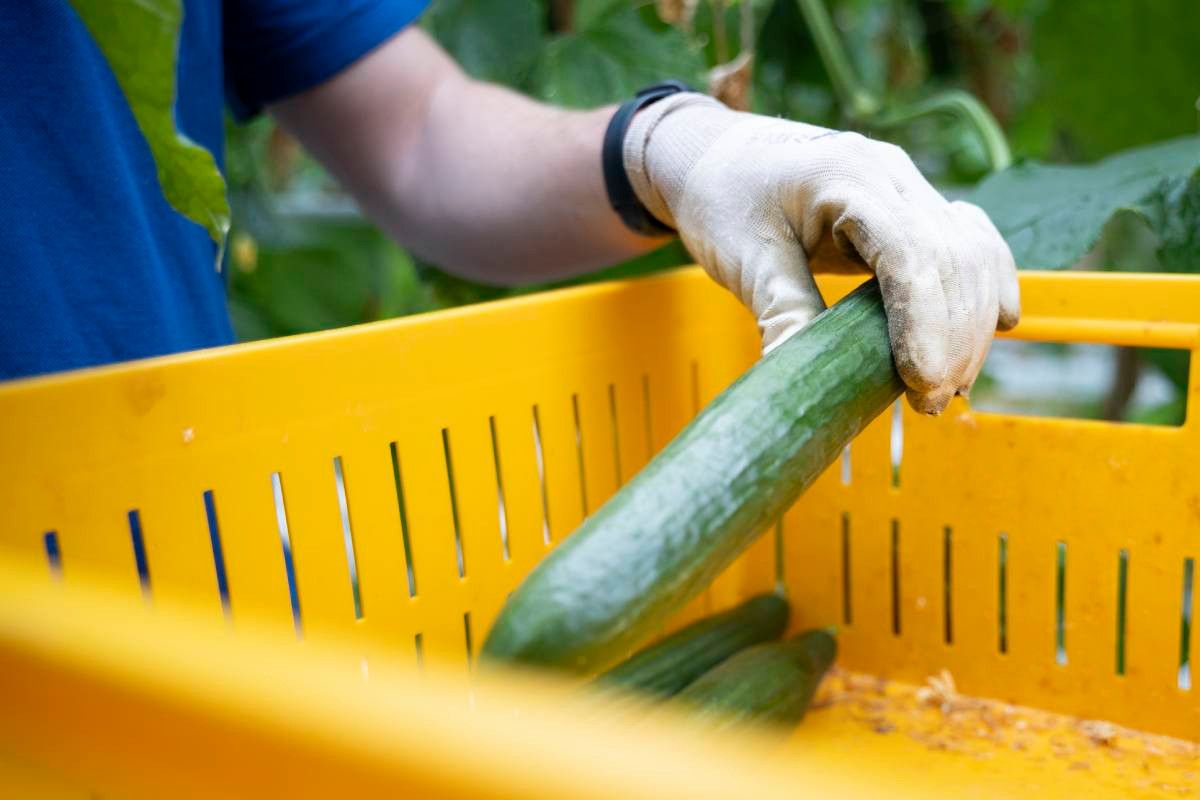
x: 1008, y: 291
x: 1008, y: 318
x: 930, y: 403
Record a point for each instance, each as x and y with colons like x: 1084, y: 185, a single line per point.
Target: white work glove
x: 753, y: 197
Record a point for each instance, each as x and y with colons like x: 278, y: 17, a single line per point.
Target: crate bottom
x: 931, y: 736
x: 20, y: 778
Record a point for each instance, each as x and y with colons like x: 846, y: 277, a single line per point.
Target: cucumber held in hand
x: 729, y: 474
x: 667, y: 666
x: 771, y: 683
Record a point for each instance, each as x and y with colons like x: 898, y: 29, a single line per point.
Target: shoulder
x: 274, y: 49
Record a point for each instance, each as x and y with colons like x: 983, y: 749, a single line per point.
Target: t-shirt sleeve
x: 276, y: 48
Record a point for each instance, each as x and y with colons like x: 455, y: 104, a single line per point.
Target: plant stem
x: 719, y: 33
x: 864, y: 108
x: 856, y: 101
x: 747, y: 27
x: 960, y: 105
x: 1125, y: 381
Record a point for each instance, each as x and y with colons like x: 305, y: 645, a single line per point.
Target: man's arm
x: 470, y: 175
x: 502, y: 189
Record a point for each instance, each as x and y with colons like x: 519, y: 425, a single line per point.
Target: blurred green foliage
x: 1110, y: 74
x: 617, y: 51
x: 493, y: 41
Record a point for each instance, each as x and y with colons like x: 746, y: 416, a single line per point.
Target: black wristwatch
x: 621, y: 196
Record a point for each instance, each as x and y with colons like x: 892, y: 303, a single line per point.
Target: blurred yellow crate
x: 154, y: 643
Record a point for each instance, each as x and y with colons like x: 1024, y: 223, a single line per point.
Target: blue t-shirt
x: 95, y: 266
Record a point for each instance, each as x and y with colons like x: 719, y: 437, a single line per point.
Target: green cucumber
x: 706, y: 497
x: 665, y: 667
x: 771, y: 683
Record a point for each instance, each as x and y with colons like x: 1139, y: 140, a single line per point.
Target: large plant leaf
x: 622, y: 50
x: 1052, y: 215
x: 140, y: 39
x: 494, y: 41
x: 1111, y: 74
x: 1172, y: 212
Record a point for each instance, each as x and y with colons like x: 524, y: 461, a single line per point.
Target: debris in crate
x: 941, y: 718
x: 939, y: 690
x: 1099, y: 731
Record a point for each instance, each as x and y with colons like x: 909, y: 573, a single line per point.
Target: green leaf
x: 401, y: 291
x: 1112, y: 74
x: 587, y: 12
x: 250, y: 322
x: 338, y: 273
x: 1172, y: 212
x: 1052, y: 215
x: 447, y: 290
x: 1172, y: 412
x: 494, y: 41
x: 140, y: 39
x: 1172, y: 363
x: 622, y: 50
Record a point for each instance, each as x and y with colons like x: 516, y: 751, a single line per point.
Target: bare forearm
x: 514, y: 188
x: 470, y: 175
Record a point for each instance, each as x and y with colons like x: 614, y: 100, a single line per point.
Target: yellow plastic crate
x: 438, y: 458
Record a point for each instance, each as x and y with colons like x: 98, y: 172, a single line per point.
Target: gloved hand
x: 754, y: 197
